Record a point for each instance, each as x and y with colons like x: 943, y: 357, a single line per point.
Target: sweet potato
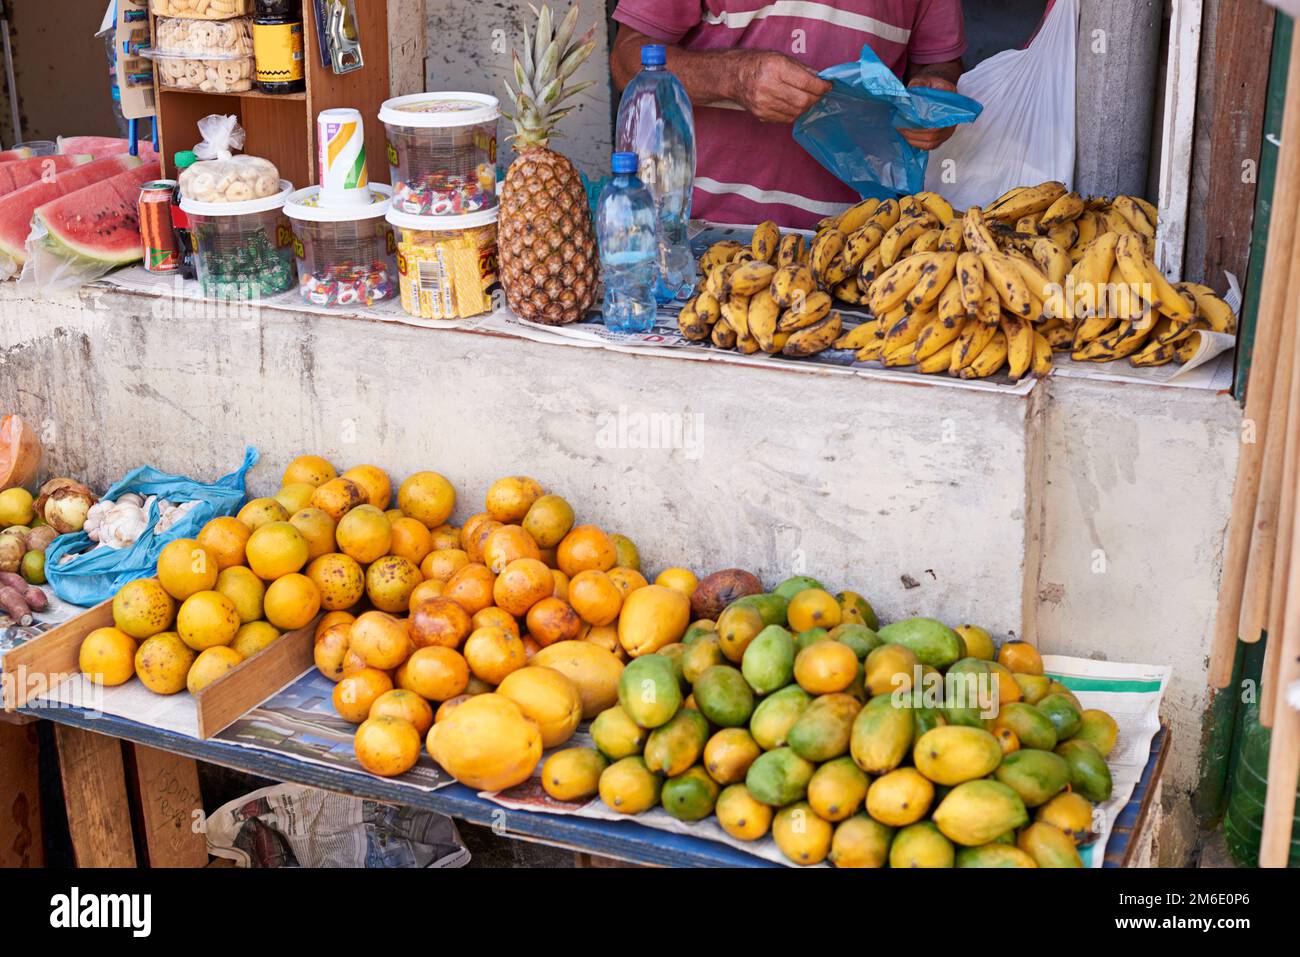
x: 34, y: 597
x: 15, y: 606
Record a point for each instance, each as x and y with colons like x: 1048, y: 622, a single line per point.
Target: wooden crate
x: 282, y: 128
x: 45, y: 662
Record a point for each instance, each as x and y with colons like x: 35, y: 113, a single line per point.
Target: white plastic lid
x: 305, y: 205
x: 259, y: 205
x: 440, y: 110
x: 483, y: 217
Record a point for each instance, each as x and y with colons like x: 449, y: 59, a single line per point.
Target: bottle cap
x: 654, y: 54
x: 184, y: 158
x: 624, y: 163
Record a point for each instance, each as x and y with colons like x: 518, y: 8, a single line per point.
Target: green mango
x: 1057, y: 688
x: 927, y: 719
x: 648, y: 691
x: 1037, y: 776
x: 823, y: 730
x: 933, y: 642
x: 675, y: 746
x: 810, y: 637
x: 792, y: 586
x: 1034, y: 688
x: 616, y: 735
x: 689, y: 796
x: 1063, y: 713
x: 881, y: 735
x: 1089, y: 773
x: 858, y: 637
x: 1049, y: 846
x: 699, y: 629
x: 954, y: 754
x: 779, y: 777
x: 921, y: 845
x: 724, y: 697
x: 768, y: 662
x: 977, y: 812
x: 1098, y: 729
x: 770, y: 606
x: 1032, y: 727
x: 701, y: 655
x: 776, y: 715
x: 993, y: 855
x: 675, y: 653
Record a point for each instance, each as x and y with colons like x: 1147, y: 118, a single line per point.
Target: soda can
x: 161, y: 254
x: 341, y: 157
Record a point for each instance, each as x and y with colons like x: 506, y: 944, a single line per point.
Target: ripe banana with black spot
x: 976, y: 232
x: 990, y: 359
x: 791, y: 281
x: 826, y: 245
x: 1042, y: 364
x: 891, y: 287
x: 805, y: 312
x: 1000, y: 269
x: 1026, y: 202
x: 902, y: 234
x: 951, y: 240
x: 860, y: 336
x: 1213, y: 311
x: 970, y: 279
x: 691, y: 326
x: 813, y: 339
x: 936, y: 270
x: 751, y: 277
x: 766, y: 239
x: 1130, y: 253
x: 975, y: 335
x: 791, y: 250
x: 1020, y: 345
x: 708, y: 308
x: 762, y: 317
x: 855, y: 217
x: 1065, y: 209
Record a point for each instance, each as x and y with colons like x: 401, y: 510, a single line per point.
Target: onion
x: 67, y: 507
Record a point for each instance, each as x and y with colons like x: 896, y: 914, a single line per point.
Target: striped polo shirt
x: 749, y: 171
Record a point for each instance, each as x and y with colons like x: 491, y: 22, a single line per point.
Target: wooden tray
x: 52, y: 658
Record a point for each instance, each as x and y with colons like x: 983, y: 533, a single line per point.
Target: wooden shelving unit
x: 282, y: 128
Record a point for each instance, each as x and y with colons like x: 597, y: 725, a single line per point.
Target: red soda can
x: 155, y: 208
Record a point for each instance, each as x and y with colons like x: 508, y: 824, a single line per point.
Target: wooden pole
x: 1284, y: 747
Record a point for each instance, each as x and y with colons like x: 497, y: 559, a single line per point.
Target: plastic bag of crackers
x: 201, y: 9
x: 445, y: 272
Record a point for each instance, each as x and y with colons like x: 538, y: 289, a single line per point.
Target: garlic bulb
x: 123, y: 525
x: 95, y: 517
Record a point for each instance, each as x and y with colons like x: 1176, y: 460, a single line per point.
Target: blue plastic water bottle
x: 625, y: 230
x: 656, y: 122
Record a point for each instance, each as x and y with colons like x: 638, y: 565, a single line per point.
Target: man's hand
x: 930, y: 139
x: 774, y: 87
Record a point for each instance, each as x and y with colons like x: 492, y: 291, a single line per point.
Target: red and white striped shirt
x: 748, y: 171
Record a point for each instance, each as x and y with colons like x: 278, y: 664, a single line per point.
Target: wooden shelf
x: 237, y: 95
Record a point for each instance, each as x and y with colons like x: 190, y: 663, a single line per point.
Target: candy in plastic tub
x: 445, y: 266
x: 442, y: 152
x: 242, y: 250
x: 346, y: 255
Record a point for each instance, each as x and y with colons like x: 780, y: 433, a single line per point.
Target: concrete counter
x: 1088, y: 517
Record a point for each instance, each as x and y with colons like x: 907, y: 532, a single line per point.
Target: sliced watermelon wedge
x: 100, y: 222
x: 101, y: 146
x: 18, y: 173
x: 17, y: 207
x: 18, y: 154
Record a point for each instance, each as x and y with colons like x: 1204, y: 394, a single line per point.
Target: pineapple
x: 545, y: 235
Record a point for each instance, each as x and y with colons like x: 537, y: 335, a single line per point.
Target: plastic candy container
x: 347, y: 256
x: 442, y: 152
x: 242, y: 250
x: 445, y: 271
x: 201, y: 9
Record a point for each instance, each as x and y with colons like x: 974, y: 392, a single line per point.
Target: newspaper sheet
x: 1130, y: 693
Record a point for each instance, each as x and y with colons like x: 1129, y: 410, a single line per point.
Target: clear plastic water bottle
x: 625, y: 230
x: 656, y: 122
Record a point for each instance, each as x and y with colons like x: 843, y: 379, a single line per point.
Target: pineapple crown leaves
x: 542, y: 67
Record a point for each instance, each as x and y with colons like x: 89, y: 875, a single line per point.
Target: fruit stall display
x: 788, y: 712
x: 1041, y: 270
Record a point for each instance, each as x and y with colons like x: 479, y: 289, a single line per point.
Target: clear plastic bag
x: 1026, y: 133
x: 222, y: 177
x: 211, y: 39
x: 853, y: 129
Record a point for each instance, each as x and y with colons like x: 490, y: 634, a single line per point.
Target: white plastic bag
x: 222, y: 177
x: 1026, y: 134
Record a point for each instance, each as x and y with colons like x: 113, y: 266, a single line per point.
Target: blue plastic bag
x: 853, y: 129
x: 95, y: 576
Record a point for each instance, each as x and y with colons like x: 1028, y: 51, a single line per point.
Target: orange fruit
x: 471, y: 587
x: 331, y: 648
x: 678, y: 579
x: 317, y: 529
x: 312, y: 469
x: 207, y: 619
x: 337, y: 497
x: 1020, y: 657
x: 431, y: 588
x: 245, y: 589
x: 353, y: 662
x: 387, y: 746
x: 548, y: 520
x: 185, y: 568
x: 364, y: 533
x: 427, y: 497
x: 405, y: 705
x: 552, y: 620
x: 295, y: 497
x: 496, y: 618
x: 477, y: 544
x: 276, y: 549
x: 825, y: 667
x: 381, y: 640
x: 210, y: 665
x: 492, y: 653
x: 548, y: 556
x: 444, y: 536
x: 595, y: 597
x: 143, y: 608
x: 508, y: 499
x: 531, y: 647
x: 331, y: 618
x: 107, y: 656
x: 627, y: 579
x: 411, y: 540
x: 507, y: 543
x: 439, y: 621
x: 585, y: 547
x: 292, y: 602
x: 260, y: 511
x: 340, y: 580
x: 225, y: 537
x: 434, y: 673
x: 253, y: 637
x: 467, y: 530
x: 561, y: 589
x: 443, y: 563
x: 448, y: 706
x: 522, y: 583
x: 355, y: 693
x: 374, y: 482
x: 389, y: 583
x: 163, y: 662
x: 813, y: 608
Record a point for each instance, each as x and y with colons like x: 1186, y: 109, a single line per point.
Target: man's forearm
x: 707, y: 75
x: 950, y: 70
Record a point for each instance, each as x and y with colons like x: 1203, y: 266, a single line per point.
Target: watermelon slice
x: 7, y: 156
x: 101, y: 146
x: 100, y: 222
x: 18, y: 173
x: 16, y: 208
